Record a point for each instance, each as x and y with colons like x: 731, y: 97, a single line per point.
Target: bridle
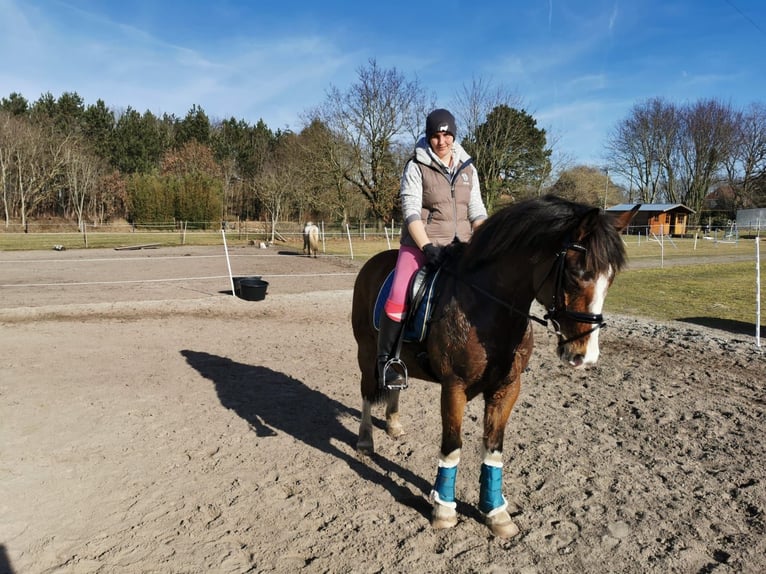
x: 558, y: 307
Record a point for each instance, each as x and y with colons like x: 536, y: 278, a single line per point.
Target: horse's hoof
x: 395, y: 430
x: 364, y: 447
x: 443, y: 517
x: 501, y: 525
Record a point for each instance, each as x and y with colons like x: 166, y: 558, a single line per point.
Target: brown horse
x: 562, y: 254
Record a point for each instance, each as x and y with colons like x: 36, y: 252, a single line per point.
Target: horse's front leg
x: 492, y: 503
x: 444, y: 513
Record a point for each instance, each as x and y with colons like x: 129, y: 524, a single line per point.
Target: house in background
x: 656, y: 218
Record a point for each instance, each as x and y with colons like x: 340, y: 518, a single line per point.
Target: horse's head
x: 574, y: 288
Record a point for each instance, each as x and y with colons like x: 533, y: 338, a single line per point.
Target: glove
x: 434, y: 255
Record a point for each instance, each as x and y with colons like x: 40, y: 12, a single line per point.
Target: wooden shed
x: 656, y: 218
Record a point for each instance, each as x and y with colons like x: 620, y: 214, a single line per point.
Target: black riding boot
x: 388, y: 337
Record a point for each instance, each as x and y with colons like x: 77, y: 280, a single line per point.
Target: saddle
x: 421, y: 300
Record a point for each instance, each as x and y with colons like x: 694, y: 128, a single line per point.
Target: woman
x: 441, y: 203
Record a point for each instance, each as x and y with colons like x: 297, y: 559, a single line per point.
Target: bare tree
x: 707, y: 141
x: 39, y: 161
x: 321, y: 159
x: 376, y: 111
x: 277, y: 185
x: 81, y: 176
x: 640, y: 148
x: 474, y: 102
x: 746, y: 166
x: 11, y: 128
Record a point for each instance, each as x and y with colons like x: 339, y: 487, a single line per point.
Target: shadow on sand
x: 5, y: 563
x: 734, y: 327
x: 272, y: 402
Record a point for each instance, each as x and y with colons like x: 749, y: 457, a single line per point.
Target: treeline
x: 60, y: 157
x: 91, y: 163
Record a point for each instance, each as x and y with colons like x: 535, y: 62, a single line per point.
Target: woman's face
x: 441, y: 143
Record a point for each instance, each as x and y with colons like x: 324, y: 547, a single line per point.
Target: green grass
x: 720, y: 294
x: 651, y: 252
x: 42, y: 241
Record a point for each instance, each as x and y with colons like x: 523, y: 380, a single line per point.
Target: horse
x: 562, y: 254
x: 310, y: 239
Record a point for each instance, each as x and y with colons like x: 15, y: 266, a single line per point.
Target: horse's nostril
x: 577, y: 360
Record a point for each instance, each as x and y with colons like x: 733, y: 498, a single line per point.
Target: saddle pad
x: 416, y: 327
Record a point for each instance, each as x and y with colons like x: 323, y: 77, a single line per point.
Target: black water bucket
x: 251, y: 289
x: 238, y: 280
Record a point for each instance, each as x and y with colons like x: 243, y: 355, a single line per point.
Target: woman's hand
x: 434, y: 255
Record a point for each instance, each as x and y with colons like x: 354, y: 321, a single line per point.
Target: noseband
x: 558, y: 307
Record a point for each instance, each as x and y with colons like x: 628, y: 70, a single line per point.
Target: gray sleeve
x: 476, y: 208
x: 411, y: 192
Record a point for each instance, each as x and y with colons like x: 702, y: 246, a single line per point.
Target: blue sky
x: 577, y: 66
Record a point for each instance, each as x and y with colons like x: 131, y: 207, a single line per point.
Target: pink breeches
x: 408, y: 262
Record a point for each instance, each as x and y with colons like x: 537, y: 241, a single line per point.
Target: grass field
x: 703, y: 281
x: 716, y: 295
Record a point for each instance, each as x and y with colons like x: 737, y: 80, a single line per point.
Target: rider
x: 441, y: 203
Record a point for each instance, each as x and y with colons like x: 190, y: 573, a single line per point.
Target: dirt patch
x: 169, y: 427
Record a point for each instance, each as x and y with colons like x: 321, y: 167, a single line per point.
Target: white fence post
x: 350, y: 244
x: 757, y: 293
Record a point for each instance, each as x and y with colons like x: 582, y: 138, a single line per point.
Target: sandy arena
x: 152, y: 422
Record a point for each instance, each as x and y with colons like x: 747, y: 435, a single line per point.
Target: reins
x: 558, y: 305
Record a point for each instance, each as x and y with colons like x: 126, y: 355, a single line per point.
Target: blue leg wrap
x: 445, y: 484
x: 490, y: 488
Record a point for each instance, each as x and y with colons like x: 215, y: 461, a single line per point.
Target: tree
x: 242, y: 151
x: 746, y: 166
x: 371, y: 116
x: 39, y: 161
x: 148, y: 199
x: 321, y: 161
x: 15, y: 103
x: 641, y: 147
x: 197, y: 183
x: 138, y: 142
x: 677, y: 153
x: 586, y: 184
x: 12, y: 130
x: 81, y: 175
x: 276, y: 187
x: 706, y: 142
x: 510, y: 154
x: 194, y: 127
x: 110, y: 199
x: 98, y: 124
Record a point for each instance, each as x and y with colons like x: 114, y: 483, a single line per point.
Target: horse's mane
x: 539, y: 227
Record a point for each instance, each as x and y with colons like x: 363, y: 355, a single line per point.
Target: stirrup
x: 398, y: 386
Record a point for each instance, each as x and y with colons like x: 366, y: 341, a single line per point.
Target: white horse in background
x: 310, y: 239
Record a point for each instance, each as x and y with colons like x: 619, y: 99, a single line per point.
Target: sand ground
x: 166, y: 426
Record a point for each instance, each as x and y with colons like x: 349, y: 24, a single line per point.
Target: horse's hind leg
x: 394, y: 427
x: 365, y: 443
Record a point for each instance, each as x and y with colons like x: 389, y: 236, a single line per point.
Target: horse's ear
x: 622, y: 221
x: 586, y: 224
